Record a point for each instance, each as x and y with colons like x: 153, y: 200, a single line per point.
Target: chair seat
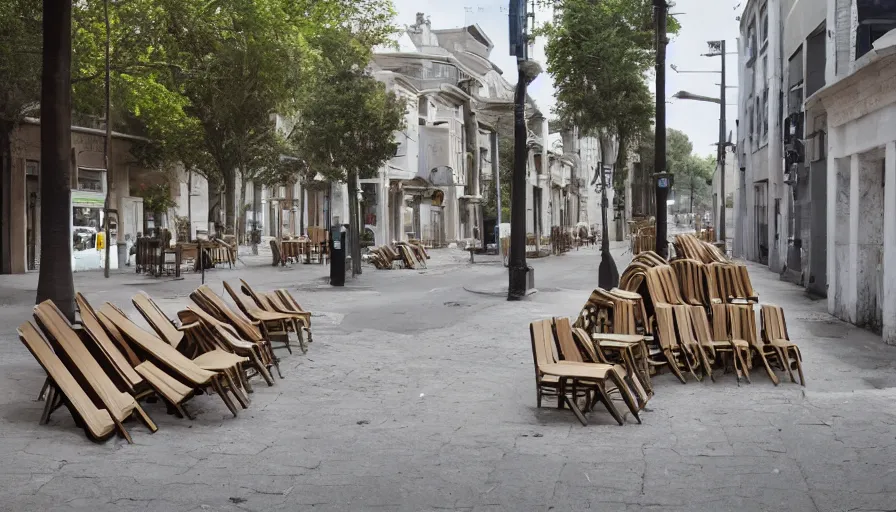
x: 782, y: 343
x: 620, y: 338
x: 167, y: 386
x: 218, y: 360
x: 574, y: 370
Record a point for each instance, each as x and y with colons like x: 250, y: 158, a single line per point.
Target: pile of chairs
x: 409, y: 255
x: 690, y: 317
x: 105, y: 365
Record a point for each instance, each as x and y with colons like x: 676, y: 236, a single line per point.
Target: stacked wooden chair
x: 104, y: 367
x: 571, y: 377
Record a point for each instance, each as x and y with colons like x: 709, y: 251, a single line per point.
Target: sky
x: 702, y: 20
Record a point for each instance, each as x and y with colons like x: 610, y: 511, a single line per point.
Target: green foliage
x: 20, y: 60
x: 599, y: 54
x: 505, y: 169
x: 691, y: 171
x: 156, y: 198
x: 347, y: 124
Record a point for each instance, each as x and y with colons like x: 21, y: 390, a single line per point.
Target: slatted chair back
x: 638, y: 310
x: 586, y: 347
x: 120, y: 405
x: 684, y: 325
x: 245, y: 303
x: 97, y: 422
x: 543, y: 351
x: 665, y: 326
x: 119, y: 355
x: 720, y: 328
x: 693, y: 281
x: 745, y: 284
x: 700, y: 323
x: 569, y: 349
x: 742, y: 320
x: 774, y: 326
x: 159, y: 321
x: 213, y: 304
x: 156, y: 348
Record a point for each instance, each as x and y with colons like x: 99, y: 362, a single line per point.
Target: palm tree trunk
x: 55, y: 281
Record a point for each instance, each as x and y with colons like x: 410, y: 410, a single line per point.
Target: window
x: 763, y: 24
x: 759, y: 117
x: 32, y: 168
x: 752, y: 49
x: 764, y: 113
x: 91, y: 180
x: 751, y: 121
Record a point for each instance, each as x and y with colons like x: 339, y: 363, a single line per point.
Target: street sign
x: 518, y: 43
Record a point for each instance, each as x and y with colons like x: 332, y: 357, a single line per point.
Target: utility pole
x: 663, y: 181
x: 107, y: 150
x: 519, y: 278
x: 722, y: 148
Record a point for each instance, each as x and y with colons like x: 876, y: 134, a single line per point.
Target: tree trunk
x: 354, y: 224
x: 55, y: 282
x: 301, y: 208
x: 240, y: 230
x: 214, y: 199
x: 229, y: 200
x: 5, y: 185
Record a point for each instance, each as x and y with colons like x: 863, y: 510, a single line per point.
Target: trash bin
x: 337, y: 256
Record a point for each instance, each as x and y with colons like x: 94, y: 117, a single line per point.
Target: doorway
x: 32, y: 221
x: 760, y: 191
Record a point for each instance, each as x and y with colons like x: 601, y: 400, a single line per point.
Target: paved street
x: 419, y: 395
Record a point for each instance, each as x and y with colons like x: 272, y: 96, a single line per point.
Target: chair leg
x: 799, y: 365
x: 744, y: 365
x: 146, y: 419
x: 216, y: 384
x: 572, y: 405
x: 244, y: 380
x: 673, y: 365
x: 298, y: 329
x: 183, y: 411
x: 44, y: 389
x: 601, y: 395
x: 625, y: 392
x: 768, y: 369
x: 50, y: 398
x: 240, y: 396
x: 123, y: 431
x: 784, y: 359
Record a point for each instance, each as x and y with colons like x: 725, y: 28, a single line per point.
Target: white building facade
x: 834, y: 169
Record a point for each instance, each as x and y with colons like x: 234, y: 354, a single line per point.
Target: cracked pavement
x: 418, y: 395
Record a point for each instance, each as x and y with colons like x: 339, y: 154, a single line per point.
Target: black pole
x: 722, y: 140
x: 607, y: 273
x: 518, y: 269
x: 659, y: 163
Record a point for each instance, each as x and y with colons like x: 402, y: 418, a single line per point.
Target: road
x: 419, y: 395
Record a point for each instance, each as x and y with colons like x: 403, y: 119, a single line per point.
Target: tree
x: 347, y: 124
x: 55, y: 281
x: 694, y: 176
x: 20, y: 58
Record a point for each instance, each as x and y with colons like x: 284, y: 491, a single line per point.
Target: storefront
x: 87, y: 222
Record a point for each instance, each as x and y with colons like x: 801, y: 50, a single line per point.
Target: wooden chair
x: 678, y: 357
x: 160, y: 323
x: 273, y: 324
x: 250, y: 330
x: 170, y: 358
x: 635, y: 373
x: 574, y: 374
x: 64, y: 388
x: 224, y: 336
x: 693, y: 280
x: 774, y: 334
x: 276, y: 303
x: 742, y: 320
x: 684, y: 326
x: 119, y: 356
x: 119, y: 405
x: 739, y: 349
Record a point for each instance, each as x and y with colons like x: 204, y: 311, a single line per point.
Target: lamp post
x: 660, y: 10
x: 607, y: 273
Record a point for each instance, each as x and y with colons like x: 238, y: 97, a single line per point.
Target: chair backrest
x: 585, y: 345
x: 156, y: 348
x: 98, y: 421
x: 774, y: 327
x: 569, y: 349
x: 683, y: 325
x: 227, y: 333
x: 720, y: 329
x: 122, y: 361
x: 700, y: 322
x: 543, y: 351
x: 665, y: 326
x: 60, y: 330
x: 215, y: 305
x: 157, y: 319
x: 246, y: 304
x: 742, y: 319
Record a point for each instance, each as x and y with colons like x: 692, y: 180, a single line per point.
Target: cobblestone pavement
x: 418, y: 395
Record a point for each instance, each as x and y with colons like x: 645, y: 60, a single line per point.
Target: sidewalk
x: 417, y: 395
